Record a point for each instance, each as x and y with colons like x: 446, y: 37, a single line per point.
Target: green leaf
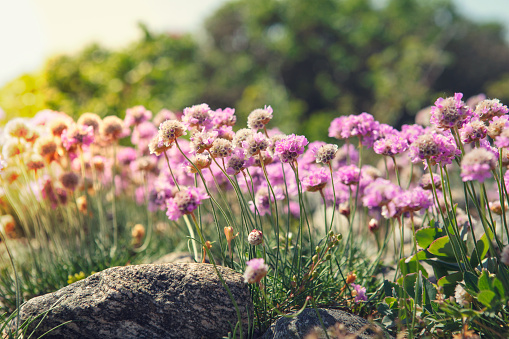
x: 482, y: 246
x: 418, y: 288
x: 427, y: 235
x: 484, y: 282
x: 486, y: 298
x: 450, y: 279
x: 499, y: 288
x: 429, y: 293
x: 442, y: 248
x: 411, y: 266
x: 471, y: 281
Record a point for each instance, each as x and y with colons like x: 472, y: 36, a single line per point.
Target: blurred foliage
x: 311, y: 61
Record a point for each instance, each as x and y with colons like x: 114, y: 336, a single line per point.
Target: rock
x: 175, y: 257
x: 307, y: 325
x: 144, y: 301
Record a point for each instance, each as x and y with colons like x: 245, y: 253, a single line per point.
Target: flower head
x: 316, y: 180
x: 255, y: 237
x: 77, y: 135
x: 170, y: 130
x: 202, y: 141
x: 221, y: 148
x: 477, y: 165
x: 391, y: 145
x: 255, y: 143
x: 185, y: 202
x: 326, y: 153
x: 241, y: 135
x: 256, y: 270
x: 198, y: 116
x: 136, y: 115
x: 487, y: 109
x: 224, y: 117
x: 474, y: 130
x: 289, y: 148
x: 90, y: 119
x: 450, y: 112
x: 112, y: 128
x: 258, y: 118
x: 349, y: 175
x: 359, y: 293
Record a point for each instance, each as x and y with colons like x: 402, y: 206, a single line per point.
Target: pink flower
x: 136, y: 115
x: 349, y: 175
x: 197, y: 116
x: 256, y: 270
x: 477, y: 165
x: 185, y: 202
x: 391, y: 145
x: 79, y: 135
x: 363, y: 126
x: 379, y: 193
x: 450, y: 112
x: 316, y: 180
x: 359, y: 292
x: 289, y: 148
x: 263, y: 198
x: 224, y: 117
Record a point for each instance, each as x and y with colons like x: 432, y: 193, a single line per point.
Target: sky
x: 33, y: 30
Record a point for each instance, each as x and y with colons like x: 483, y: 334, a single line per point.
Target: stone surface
x: 144, y: 301
x: 307, y: 325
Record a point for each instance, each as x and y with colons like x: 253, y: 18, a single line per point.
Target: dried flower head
x: 90, y: 119
x: 221, y: 148
x: 112, y: 128
x: 200, y: 162
x: 17, y: 128
x: 69, y: 180
x: 241, y: 135
x: 58, y: 125
x: 138, y: 232
x: 497, y: 125
x: 256, y: 270
x: 255, y: 237
x: 13, y: 147
x: 487, y: 109
x: 255, y: 143
x: 33, y: 161
x: 171, y: 130
x: 46, y: 146
x: 326, y: 153
x: 258, y: 118
x: 461, y: 295
x: 82, y: 204
x: 450, y: 112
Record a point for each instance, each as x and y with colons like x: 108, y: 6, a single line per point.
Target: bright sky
x: 32, y: 30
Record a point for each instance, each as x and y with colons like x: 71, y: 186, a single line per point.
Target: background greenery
x: 311, y: 61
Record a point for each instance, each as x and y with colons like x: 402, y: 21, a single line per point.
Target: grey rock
x: 307, y: 324
x: 144, y: 301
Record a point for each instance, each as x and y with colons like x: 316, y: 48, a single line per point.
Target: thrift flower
x: 255, y: 143
x: 112, y: 128
x: 488, y: 109
x: 497, y: 125
x: 391, y: 145
x: 289, y: 148
x: 185, y: 202
x: 136, y: 115
x: 325, y: 153
x: 316, y: 180
x: 359, y: 293
x: 349, y: 175
x: 221, y: 148
x: 258, y: 118
x: 477, y: 165
x: 255, y: 237
x: 197, y: 116
x: 77, y: 135
x: 170, y: 130
x: 202, y: 141
x: 224, y: 117
x: 462, y: 297
x: 241, y: 135
x: 473, y: 131
x: 90, y: 119
x: 450, y: 112
x: 256, y: 270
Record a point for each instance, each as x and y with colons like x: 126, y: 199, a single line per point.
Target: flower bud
x: 373, y: 225
x: 350, y: 278
x: 255, y: 237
